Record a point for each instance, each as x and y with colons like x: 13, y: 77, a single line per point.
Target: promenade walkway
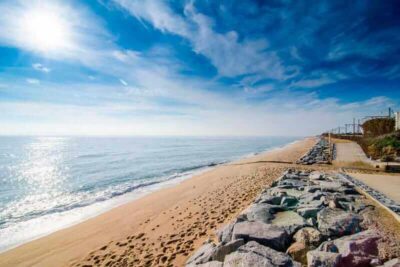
x: 350, y: 152
x: 387, y: 184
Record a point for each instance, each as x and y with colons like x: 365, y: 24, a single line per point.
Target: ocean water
x: 48, y: 183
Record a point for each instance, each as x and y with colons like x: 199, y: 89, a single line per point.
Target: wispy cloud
x: 230, y: 56
x: 40, y: 67
x: 32, y: 81
x: 124, y: 83
x: 264, y: 79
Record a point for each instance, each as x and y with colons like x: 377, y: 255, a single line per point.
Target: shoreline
x: 70, y: 218
x: 67, y: 252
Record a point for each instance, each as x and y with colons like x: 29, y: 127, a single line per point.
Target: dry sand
x: 164, y: 227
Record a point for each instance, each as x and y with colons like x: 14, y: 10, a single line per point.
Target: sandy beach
x: 164, y: 227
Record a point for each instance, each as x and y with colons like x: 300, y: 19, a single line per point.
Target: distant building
x: 397, y: 116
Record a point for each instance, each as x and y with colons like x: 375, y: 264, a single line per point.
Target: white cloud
x: 123, y: 82
x: 40, y: 67
x: 256, y: 90
x: 32, y: 81
x: 197, y: 107
x: 229, y: 55
x: 262, y: 119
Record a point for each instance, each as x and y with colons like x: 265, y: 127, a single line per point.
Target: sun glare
x: 45, y: 30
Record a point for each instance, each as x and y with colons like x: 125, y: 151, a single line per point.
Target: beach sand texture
x: 164, y: 227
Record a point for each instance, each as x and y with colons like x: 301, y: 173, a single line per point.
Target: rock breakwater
x: 318, y: 154
x: 305, y: 218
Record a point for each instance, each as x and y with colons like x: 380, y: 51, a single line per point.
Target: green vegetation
x: 385, y: 147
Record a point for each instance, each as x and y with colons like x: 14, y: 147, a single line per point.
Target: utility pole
x: 330, y: 146
x: 354, y: 126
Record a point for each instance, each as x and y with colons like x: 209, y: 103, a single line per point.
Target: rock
x: 253, y: 254
x: 265, y: 234
x: 225, y: 234
x: 311, y: 188
x: 312, y: 221
x: 316, y: 197
x: 352, y: 206
x: 308, y: 236
x: 202, y: 255
x: 279, y: 191
x: 298, y: 251
x: 289, y: 220
x: 337, y: 222
x: 224, y: 249
x: 207, y: 264
x: 308, y: 212
x: 265, y: 198
x: 261, y: 212
x: 356, y: 250
x: 288, y: 201
x: 375, y: 262
x: 392, y: 263
x: 333, y: 204
x: 322, y: 259
x: 316, y: 176
x: 296, y: 183
x: 328, y: 186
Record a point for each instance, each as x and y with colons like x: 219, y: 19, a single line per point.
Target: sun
x: 45, y: 30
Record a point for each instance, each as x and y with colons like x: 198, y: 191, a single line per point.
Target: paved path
x: 350, y: 152
x: 386, y: 184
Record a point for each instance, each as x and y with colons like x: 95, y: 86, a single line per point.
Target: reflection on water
x: 39, y: 178
x: 47, y: 183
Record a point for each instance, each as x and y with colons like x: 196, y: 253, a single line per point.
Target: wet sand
x: 164, y: 227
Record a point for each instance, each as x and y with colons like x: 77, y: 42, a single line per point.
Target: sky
x: 185, y: 67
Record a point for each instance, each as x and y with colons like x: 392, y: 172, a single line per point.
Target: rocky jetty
x: 318, y: 154
x: 305, y: 218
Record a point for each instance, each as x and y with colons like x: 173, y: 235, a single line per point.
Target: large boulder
x: 266, y: 198
x: 265, y: 234
x: 322, y: 259
x: 253, y: 254
x: 309, y: 236
x: 202, y: 255
x: 308, y: 212
x: 337, y: 222
x: 316, y: 175
x: 298, y: 251
x: 261, y: 212
x: 356, y: 250
x: 392, y: 263
x: 289, y: 220
x: 308, y: 197
x: 329, y: 186
x: 207, y: 264
x: 288, y: 201
x: 224, y: 249
x: 225, y: 233
x: 293, y: 183
x: 310, y: 208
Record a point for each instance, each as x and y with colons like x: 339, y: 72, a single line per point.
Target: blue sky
x: 126, y: 67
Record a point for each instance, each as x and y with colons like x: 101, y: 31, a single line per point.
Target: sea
x: 49, y: 183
